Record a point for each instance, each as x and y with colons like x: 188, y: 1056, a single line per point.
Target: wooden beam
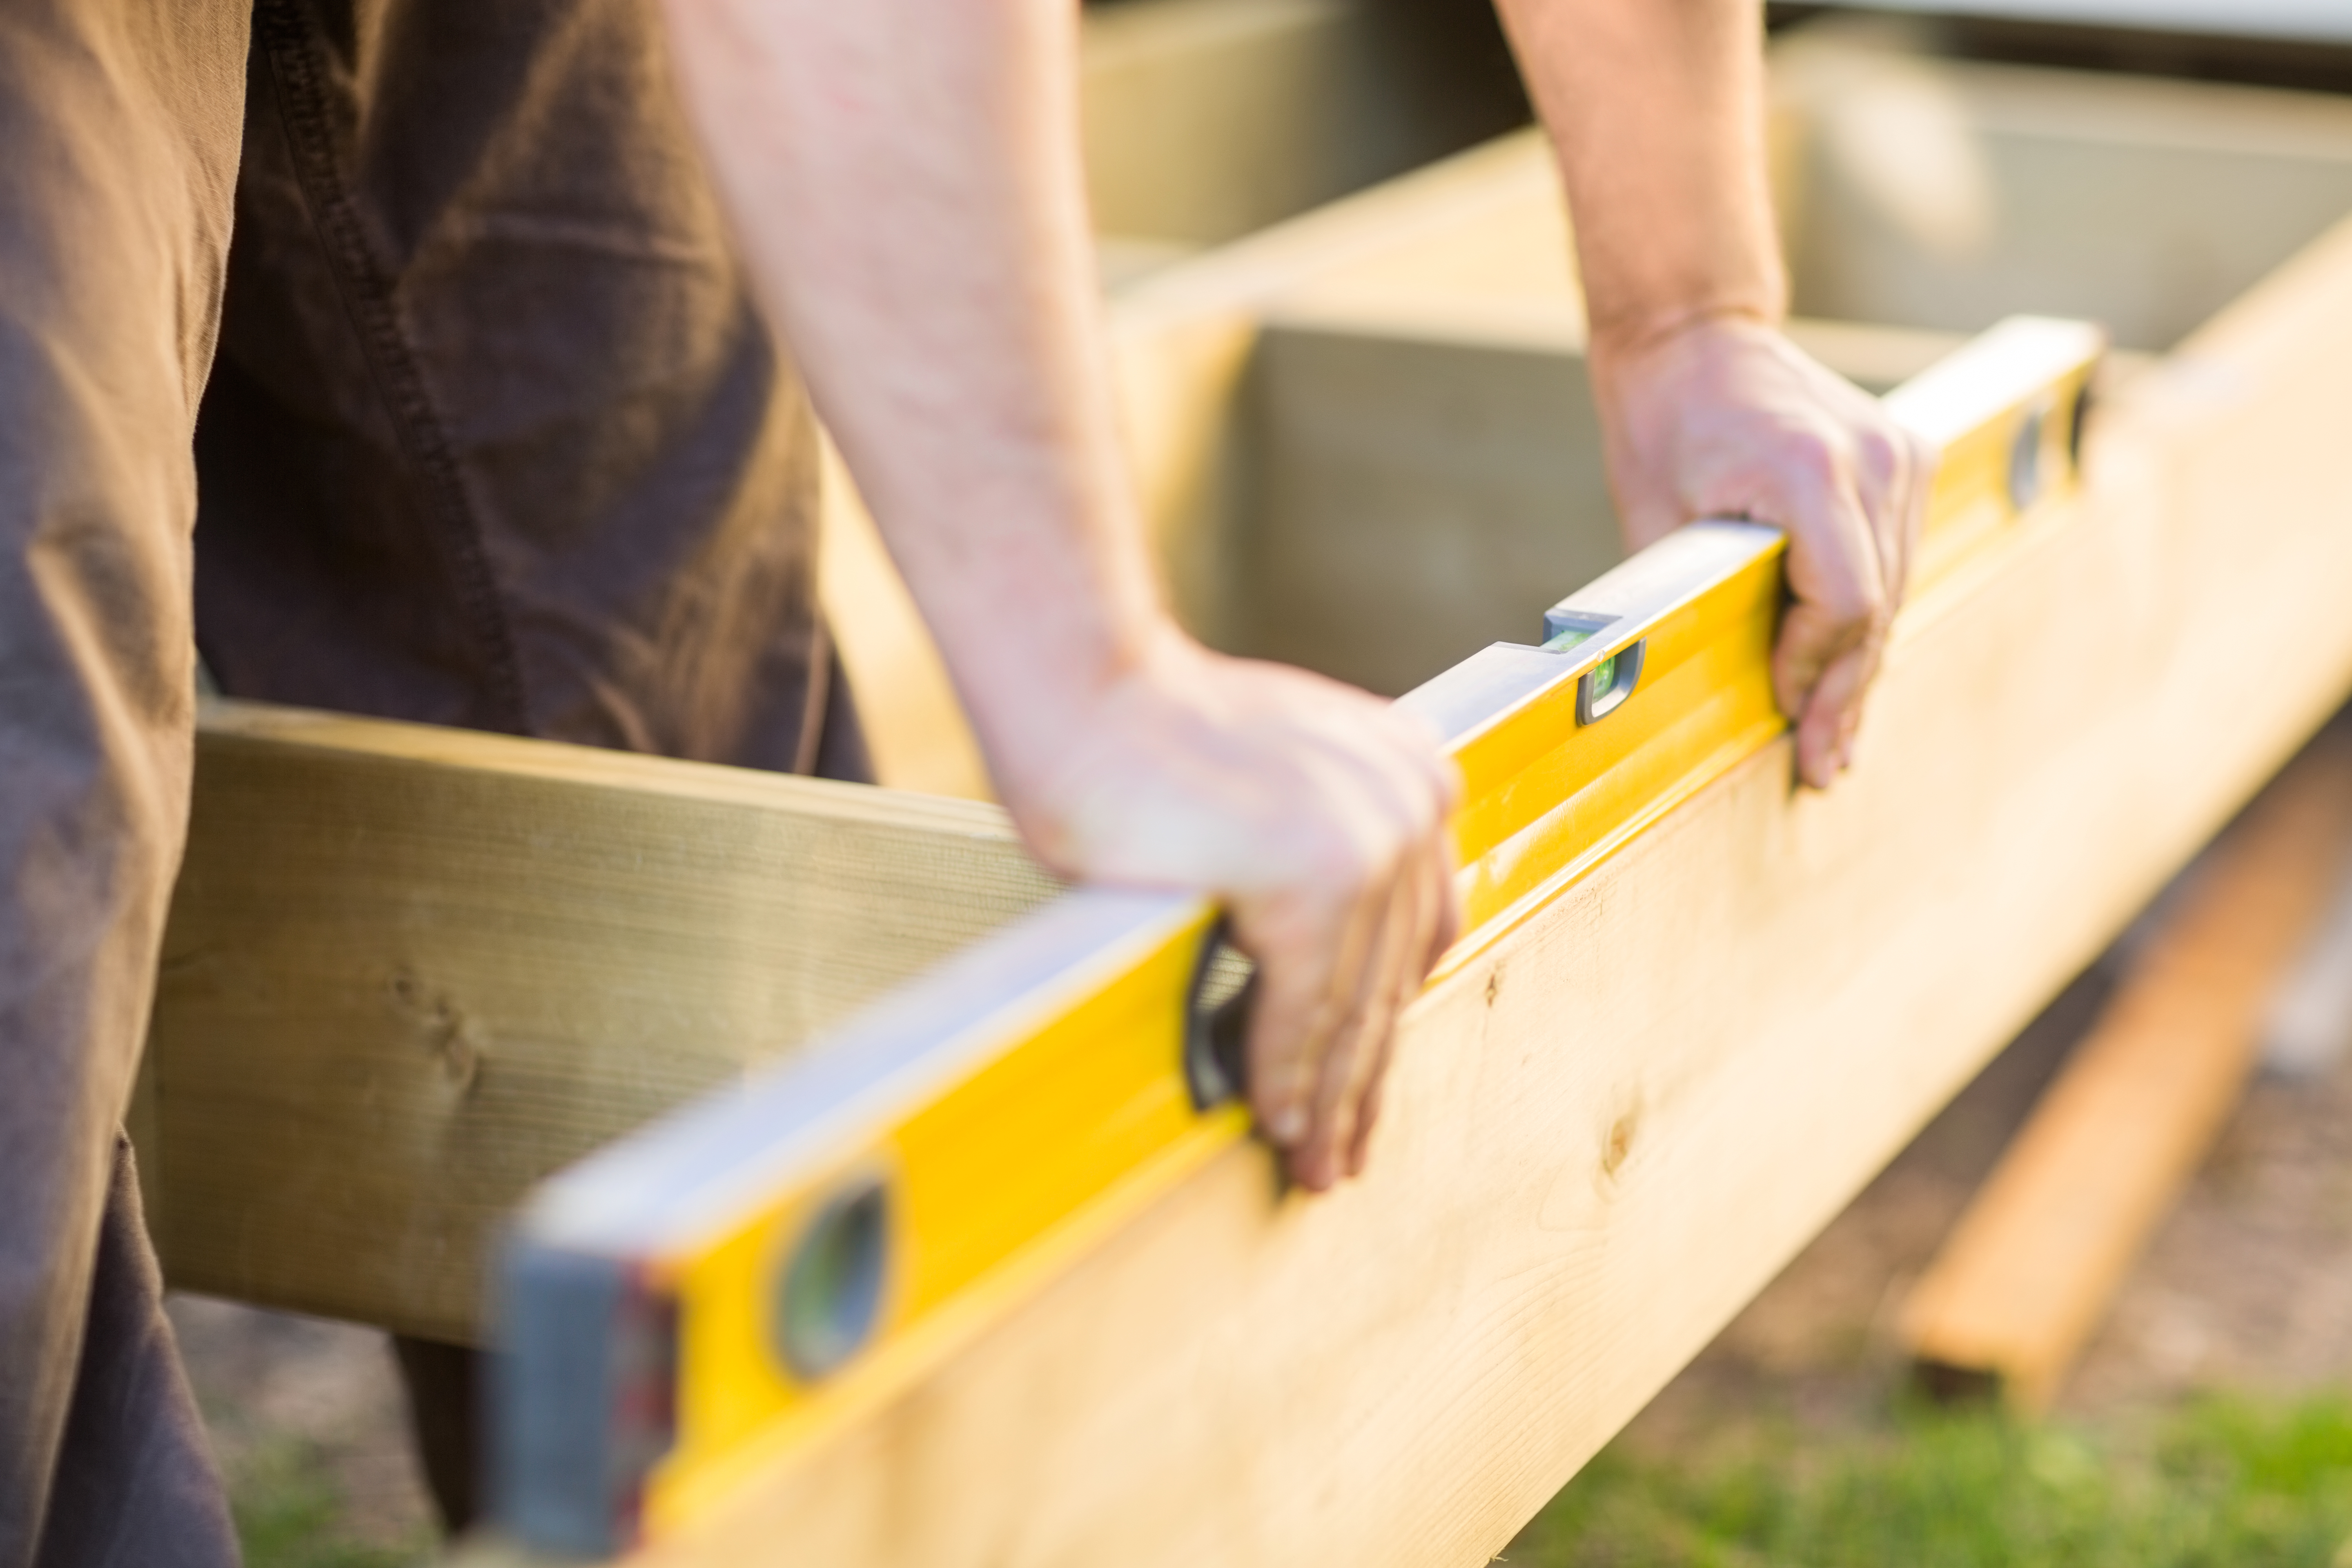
x: 2146, y: 205
x: 410, y: 970
x: 1364, y: 438
x: 1770, y: 993
x: 1426, y: 473
x: 1948, y: 195
x: 2028, y: 1274
x: 1609, y: 1132
x: 1460, y: 268
x: 359, y: 897
x: 1207, y: 119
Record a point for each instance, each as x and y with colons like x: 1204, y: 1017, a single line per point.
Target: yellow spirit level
x: 681, y: 1312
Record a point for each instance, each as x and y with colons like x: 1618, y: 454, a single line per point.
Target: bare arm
x: 904, y: 177
x: 1656, y: 110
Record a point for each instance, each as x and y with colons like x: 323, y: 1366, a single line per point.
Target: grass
x: 289, y: 1514
x: 2219, y: 1483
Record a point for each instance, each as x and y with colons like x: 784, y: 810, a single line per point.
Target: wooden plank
x: 1183, y: 341
x: 1770, y: 993
x: 239, y: 1047
x: 2142, y: 204
x: 1318, y: 411
x: 1485, y: 224
x: 1466, y: 258
x: 410, y: 970
x: 1424, y: 476
x: 1458, y: 282
x: 1207, y: 119
x: 2029, y: 1272
x: 1949, y: 195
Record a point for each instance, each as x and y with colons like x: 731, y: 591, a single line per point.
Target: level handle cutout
x: 829, y: 1289
x: 1216, y: 1022
x: 2026, y: 477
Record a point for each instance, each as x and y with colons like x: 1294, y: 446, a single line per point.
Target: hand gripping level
x: 687, y: 1308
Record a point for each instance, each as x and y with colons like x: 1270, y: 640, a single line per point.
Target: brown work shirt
x: 493, y: 436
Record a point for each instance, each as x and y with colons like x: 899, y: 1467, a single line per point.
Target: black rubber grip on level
x: 1216, y: 1028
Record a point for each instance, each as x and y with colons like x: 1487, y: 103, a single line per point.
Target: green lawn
x: 289, y: 1515
x: 2223, y: 1483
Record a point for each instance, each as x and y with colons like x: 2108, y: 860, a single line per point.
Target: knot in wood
x: 1620, y: 1142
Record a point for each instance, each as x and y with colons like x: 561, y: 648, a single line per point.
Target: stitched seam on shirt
x: 367, y: 299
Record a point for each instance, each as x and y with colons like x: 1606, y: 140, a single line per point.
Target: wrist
x: 1626, y: 335
x: 1037, y: 700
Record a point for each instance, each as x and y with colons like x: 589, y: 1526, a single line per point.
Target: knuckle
x: 1812, y: 459
x: 1884, y: 457
x: 1850, y: 603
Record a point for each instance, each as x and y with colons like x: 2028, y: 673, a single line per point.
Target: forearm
x: 903, y: 177
x: 1705, y: 410
x: 1656, y: 110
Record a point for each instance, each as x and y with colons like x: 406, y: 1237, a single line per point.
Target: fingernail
x: 1286, y: 1125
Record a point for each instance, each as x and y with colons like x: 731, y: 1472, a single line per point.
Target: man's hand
x: 1318, y: 813
x: 1657, y: 112
x: 904, y: 178
x: 1723, y: 416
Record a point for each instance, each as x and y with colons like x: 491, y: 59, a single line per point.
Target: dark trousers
x: 473, y: 423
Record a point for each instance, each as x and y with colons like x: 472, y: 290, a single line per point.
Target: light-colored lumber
x: 2143, y: 203
x: 1460, y: 270
x: 1204, y: 120
x: 1604, y: 1135
x: 1423, y: 476
x: 311, y: 1005
x: 1366, y: 437
x: 2144, y: 206
x: 1207, y: 119
x: 1465, y: 480
x: 1607, y: 1133
x: 2028, y: 1274
x: 410, y: 970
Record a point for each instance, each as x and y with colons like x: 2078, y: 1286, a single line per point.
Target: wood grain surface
x: 410, y: 970
x: 1606, y: 1134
